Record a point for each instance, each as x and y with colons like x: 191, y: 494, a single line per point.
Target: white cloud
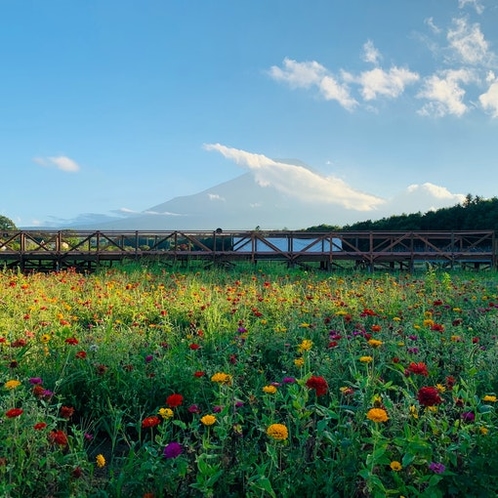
x: 62, y: 163
x: 489, y: 99
x: 474, y: 3
x: 468, y: 42
x: 370, y: 53
x: 378, y: 82
x: 435, y: 191
x: 312, y: 74
x: 299, y: 182
x: 445, y: 93
x: 430, y: 22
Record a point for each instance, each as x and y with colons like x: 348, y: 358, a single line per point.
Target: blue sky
x: 116, y: 106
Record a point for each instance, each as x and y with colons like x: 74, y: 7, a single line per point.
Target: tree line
x: 474, y: 213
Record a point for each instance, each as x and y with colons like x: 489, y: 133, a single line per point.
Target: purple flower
x: 437, y: 468
x: 413, y: 337
x: 149, y: 358
x: 172, y: 450
x: 288, y: 380
x: 35, y: 380
x: 217, y: 408
x: 88, y: 436
x: 239, y: 404
x: 468, y: 416
x: 194, y: 409
x: 413, y: 350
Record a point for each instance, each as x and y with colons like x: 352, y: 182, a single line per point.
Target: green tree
x: 7, y: 223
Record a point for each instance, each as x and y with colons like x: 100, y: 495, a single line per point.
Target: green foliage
x: 7, y: 223
x: 247, y: 348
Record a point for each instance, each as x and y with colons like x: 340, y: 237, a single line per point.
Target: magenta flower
x: 437, y: 468
x: 172, y: 450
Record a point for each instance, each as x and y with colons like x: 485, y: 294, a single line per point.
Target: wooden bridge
x: 45, y: 250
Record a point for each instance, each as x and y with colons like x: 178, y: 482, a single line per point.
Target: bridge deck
x: 86, y: 250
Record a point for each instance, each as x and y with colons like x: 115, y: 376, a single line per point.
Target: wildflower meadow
x: 252, y: 381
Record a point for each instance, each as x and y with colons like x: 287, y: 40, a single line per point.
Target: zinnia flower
x: 377, y: 415
x: 66, y: 412
x: 222, y: 378
x: 72, y: 341
x: 12, y: 384
x: 429, y: 396
x: 375, y: 343
x: 489, y: 399
x: 14, y: 412
x: 100, y: 460
x: 39, y: 426
x: 366, y: 359
x: 468, y: 416
x: 172, y: 450
x: 278, y: 432
x: 174, y: 400
x: 165, y: 412
x: 437, y: 468
x: 396, y: 466
x: 208, y: 420
x: 152, y: 421
x: 305, y: 345
x: 319, y: 384
x: 299, y: 362
x: 418, y: 368
x: 269, y: 389
x: 58, y: 437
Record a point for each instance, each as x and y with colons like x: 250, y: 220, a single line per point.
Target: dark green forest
x: 475, y: 213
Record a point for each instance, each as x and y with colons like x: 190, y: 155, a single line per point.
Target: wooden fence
x: 45, y: 250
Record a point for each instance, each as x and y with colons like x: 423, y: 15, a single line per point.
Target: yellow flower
x: 366, y: 359
x: 395, y: 465
x: 208, y: 420
x: 165, y: 412
x: 375, y: 343
x: 377, y: 415
x: 305, y: 345
x: 222, y: 378
x: 483, y: 430
x: 278, y: 432
x: 305, y: 325
x: 428, y: 322
x: 299, y: 362
x: 489, y: 398
x: 45, y: 338
x: 100, y: 460
x: 341, y: 313
x: 440, y: 388
x: 397, y: 319
x: 12, y: 384
x: 413, y: 411
x: 269, y: 389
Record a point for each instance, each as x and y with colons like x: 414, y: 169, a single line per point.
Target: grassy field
x: 248, y: 382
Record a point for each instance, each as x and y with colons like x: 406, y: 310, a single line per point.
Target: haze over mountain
x: 274, y: 194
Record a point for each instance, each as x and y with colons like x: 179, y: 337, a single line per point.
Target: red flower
x: 418, y: 368
x: 174, y: 400
x: 150, y: 422
x: 14, y: 412
x: 194, y: 346
x: 38, y: 390
x: 450, y: 382
x: 438, y: 327
x: 39, y: 426
x: 66, y: 412
x: 72, y: 340
x: 58, y: 437
x: 319, y: 384
x: 429, y: 396
x: 376, y: 328
x: 199, y: 373
x: 81, y: 355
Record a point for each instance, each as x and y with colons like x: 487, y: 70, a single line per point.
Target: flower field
x: 259, y: 383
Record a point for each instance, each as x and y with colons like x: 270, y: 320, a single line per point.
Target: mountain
x: 288, y: 196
